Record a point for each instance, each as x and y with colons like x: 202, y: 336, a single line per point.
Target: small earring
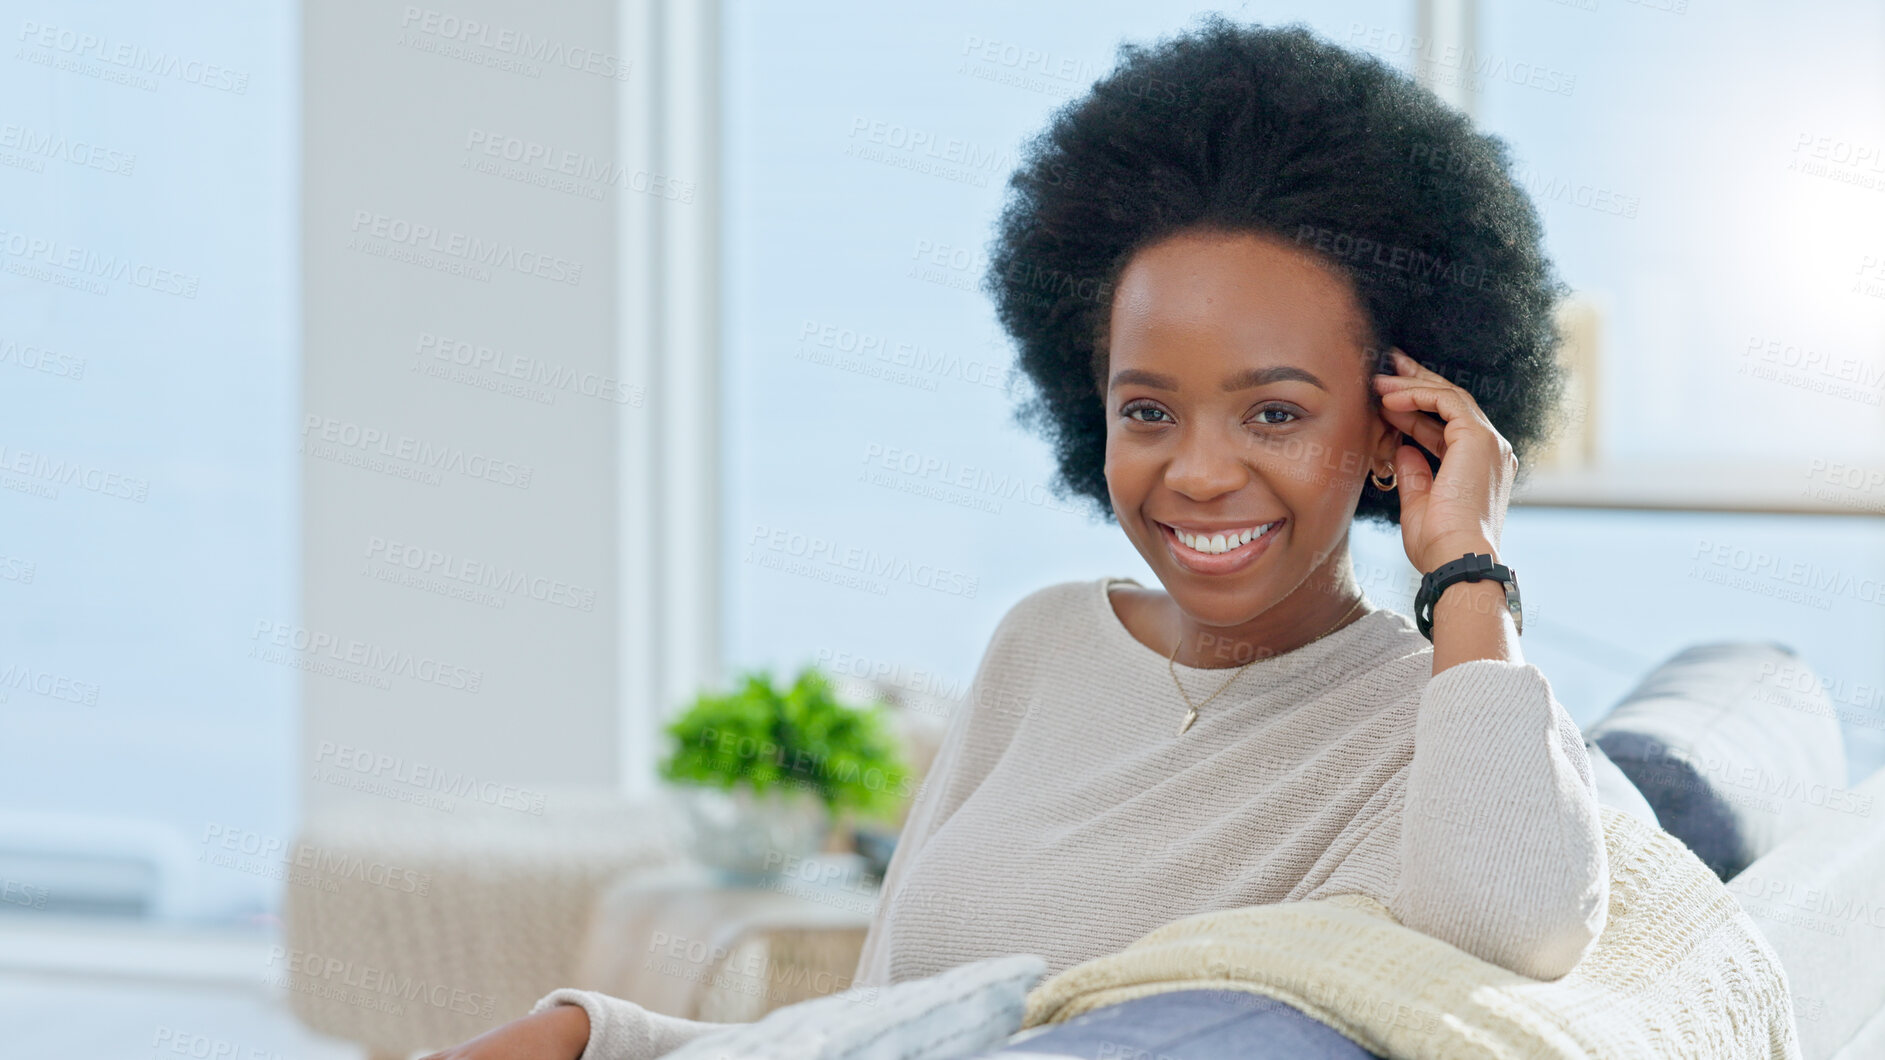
x: 1384, y: 487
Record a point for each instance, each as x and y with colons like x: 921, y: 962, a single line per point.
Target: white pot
x: 751, y: 836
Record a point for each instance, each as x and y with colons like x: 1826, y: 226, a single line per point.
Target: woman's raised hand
x: 1460, y: 508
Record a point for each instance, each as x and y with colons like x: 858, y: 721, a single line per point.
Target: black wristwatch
x: 1472, y: 567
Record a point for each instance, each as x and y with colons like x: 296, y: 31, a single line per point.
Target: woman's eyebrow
x: 1244, y: 380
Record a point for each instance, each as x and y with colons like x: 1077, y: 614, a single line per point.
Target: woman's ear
x: 1385, y: 442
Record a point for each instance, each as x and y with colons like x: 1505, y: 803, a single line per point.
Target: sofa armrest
x: 1819, y: 898
x: 410, y: 928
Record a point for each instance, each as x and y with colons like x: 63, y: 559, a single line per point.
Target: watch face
x: 1512, y: 604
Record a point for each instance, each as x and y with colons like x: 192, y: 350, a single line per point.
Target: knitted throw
x: 1678, y: 971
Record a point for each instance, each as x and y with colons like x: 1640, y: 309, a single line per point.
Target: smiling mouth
x: 1220, y: 542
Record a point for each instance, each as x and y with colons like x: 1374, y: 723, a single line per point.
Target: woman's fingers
x: 1415, y: 477
x: 1408, y: 368
x: 1426, y: 431
x: 1452, y: 404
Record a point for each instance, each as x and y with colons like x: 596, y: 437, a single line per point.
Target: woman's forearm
x: 1502, y: 850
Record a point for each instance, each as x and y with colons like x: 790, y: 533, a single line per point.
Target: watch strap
x: 1471, y: 567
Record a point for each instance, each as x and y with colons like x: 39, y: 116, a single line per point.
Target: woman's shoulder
x: 1047, y: 611
x: 1056, y: 600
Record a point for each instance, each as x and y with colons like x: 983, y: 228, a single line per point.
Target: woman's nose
x: 1206, y: 465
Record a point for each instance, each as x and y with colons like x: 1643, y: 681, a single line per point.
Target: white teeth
x: 1217, y: 543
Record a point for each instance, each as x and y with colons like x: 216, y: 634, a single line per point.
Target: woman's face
x: 1238, y: 400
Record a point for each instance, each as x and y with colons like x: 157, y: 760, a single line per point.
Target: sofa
x: 1726, y: 746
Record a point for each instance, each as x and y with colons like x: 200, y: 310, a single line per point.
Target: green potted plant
x: 762, y: 772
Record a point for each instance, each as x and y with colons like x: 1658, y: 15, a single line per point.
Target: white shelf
x: 1724, y: 486
x: 89, y: 948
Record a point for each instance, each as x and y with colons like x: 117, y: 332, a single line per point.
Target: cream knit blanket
x: 1678, y: 971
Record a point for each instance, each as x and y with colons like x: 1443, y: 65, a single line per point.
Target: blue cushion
x: 1735, y: 745
x: 1187, y: 1025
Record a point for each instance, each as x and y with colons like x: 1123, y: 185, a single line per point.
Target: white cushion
x: 953, y: 1014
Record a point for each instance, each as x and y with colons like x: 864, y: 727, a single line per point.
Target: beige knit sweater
x: 1063, y: 816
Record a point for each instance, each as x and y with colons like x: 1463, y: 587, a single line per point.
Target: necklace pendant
x: 1190, y: 716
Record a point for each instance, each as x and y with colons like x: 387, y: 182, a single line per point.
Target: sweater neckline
x: 1350, y: 640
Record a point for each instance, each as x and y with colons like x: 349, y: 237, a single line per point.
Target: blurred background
x: 405, y: 410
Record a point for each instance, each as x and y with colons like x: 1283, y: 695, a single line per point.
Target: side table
x: 683, y: 940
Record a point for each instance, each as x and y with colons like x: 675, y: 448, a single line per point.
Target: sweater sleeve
x: 623, y: 1030
x: 1502, y: 848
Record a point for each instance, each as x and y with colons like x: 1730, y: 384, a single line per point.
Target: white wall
x: 400, y: 104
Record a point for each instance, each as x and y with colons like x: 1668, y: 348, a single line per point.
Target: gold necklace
x: 1191, y: 712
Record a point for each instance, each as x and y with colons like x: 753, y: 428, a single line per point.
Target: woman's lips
x: 1223, y: 562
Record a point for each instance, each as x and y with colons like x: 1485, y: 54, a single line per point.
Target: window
x: 148, y: 390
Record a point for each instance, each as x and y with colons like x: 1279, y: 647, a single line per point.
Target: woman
x: 1212, y: 265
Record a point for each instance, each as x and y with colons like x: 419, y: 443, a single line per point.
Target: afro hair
x: 1277, y: 132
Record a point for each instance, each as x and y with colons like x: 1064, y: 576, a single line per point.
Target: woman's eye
x: 1133, y: 413
x: 1264, y: 414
